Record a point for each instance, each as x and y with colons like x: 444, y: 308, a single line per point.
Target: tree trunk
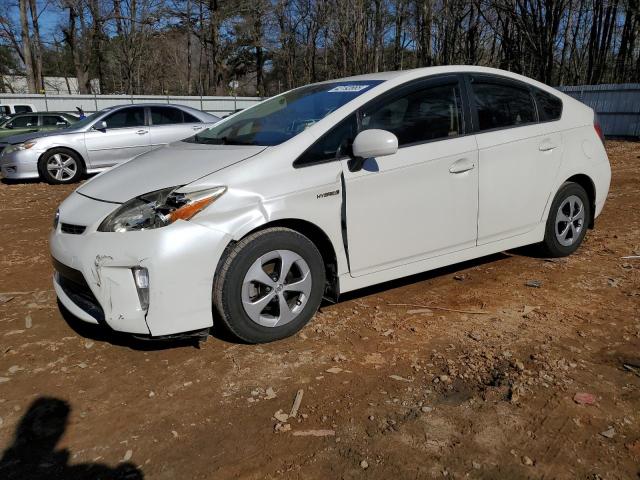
x: 26, y: 47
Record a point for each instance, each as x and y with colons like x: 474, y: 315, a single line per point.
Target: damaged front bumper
x: 94, y: 276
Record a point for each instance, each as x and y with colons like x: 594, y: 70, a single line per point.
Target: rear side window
x: 332, y: 145
x: 165, y: 115
x: 22, y: 108
x: 128, y: 117
x: 549, y: 106
x: 188, y: 118
x: 26, y: 121
x: 429, y: 113
x: 52, y: 121
x: 502, y: 105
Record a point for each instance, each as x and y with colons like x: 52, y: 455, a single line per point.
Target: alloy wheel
x: 61, y: 166
x: 276, y: 288
x: 569, y: 220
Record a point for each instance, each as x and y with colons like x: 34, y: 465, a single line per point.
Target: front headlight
x: 159, y: 209
x: 18, y: 147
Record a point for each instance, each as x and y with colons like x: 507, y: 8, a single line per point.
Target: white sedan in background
x: 326, y: 189
x: 101, y: 140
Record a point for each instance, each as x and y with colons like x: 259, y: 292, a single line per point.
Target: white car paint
x: 424, y: 207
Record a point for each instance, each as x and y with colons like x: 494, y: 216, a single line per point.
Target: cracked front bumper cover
x: 181, y: 260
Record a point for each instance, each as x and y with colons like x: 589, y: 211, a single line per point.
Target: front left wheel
x: 269, y: 285
x: 60, y: 165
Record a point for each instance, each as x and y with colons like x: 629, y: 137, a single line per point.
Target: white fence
x: 90, y: 103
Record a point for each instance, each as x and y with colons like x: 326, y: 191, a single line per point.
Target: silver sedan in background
x: 99, y: 141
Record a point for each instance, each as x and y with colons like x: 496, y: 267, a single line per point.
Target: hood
x: 19, y: 138
x: 179, y: 163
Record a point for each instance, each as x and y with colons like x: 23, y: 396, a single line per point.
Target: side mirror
x: 372, y: 143
x: 101, y: 125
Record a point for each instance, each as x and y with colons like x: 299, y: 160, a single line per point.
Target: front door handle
x: 547, y: 146
x: 462, y: 165
x: 142, y: 132
x: 198, y: 127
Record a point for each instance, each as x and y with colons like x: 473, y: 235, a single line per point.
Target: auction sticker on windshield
x: 348, y: 88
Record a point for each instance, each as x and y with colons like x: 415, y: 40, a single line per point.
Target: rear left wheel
x: 568, y: 220
x: 269, y: 285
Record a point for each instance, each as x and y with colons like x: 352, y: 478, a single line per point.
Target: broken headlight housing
x: 159, y: 209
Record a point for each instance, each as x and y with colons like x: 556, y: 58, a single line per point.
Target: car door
x: 518, y: 157
x: 125, y: 137
x: 422, y: 201
x: 169, y: 124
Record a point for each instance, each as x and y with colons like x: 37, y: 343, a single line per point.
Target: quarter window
x: 165, y: 115
x: 549, y: 106
x: 127, y: 117
x: 425, y: 114
x: 332, y: 145
x: 502, y: 105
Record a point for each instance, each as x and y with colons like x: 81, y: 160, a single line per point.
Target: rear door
x: 169, y: 124
x: 519, y: 157
x: 125, y: 137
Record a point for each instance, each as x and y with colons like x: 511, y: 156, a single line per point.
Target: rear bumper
x: 94, y: 278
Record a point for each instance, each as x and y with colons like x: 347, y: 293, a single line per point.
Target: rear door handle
x: 142, y: 132
x: 547, y: 146
x: 462, y: 165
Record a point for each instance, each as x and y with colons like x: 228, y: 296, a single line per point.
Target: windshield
x: 87, y: 120
x: 278, y: 119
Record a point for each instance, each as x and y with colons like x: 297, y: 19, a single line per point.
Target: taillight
x: 597, y: 127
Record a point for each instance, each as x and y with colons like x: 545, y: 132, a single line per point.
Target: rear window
x: 549, y: 106
x: 501, y: 105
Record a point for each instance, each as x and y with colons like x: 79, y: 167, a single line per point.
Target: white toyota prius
x: 325, y: 189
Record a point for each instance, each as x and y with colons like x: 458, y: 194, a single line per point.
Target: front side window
x: 24, y: 121
x: 421, y: 115
x: 53, y: 121
x: 281, y: 118
x: 500, y: 105
x: 127, y: 117
x: 165, y: 115
x: 334, y: 144
x: 549, y: 106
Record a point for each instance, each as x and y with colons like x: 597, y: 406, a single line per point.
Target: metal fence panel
x: 617, y: 106
x: 90, y: 103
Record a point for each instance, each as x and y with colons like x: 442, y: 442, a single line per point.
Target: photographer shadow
x: 33, y: 454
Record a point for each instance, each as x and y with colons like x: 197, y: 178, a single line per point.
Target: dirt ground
x: 476, y: 377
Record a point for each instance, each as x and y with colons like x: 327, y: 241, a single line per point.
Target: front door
x: 125, y: 137
x: 422, y: 201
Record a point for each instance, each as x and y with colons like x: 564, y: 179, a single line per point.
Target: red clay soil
x: 389, y: 391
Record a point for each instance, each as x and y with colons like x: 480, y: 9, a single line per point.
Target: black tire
x: 228, y: 283
x: 77, y: 165
x: 551, y: 245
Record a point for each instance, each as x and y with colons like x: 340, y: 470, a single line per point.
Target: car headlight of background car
x: 18, y: 147
x: 159, y: 209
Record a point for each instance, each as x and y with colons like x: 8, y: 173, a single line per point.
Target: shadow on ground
x: 33, y: 454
